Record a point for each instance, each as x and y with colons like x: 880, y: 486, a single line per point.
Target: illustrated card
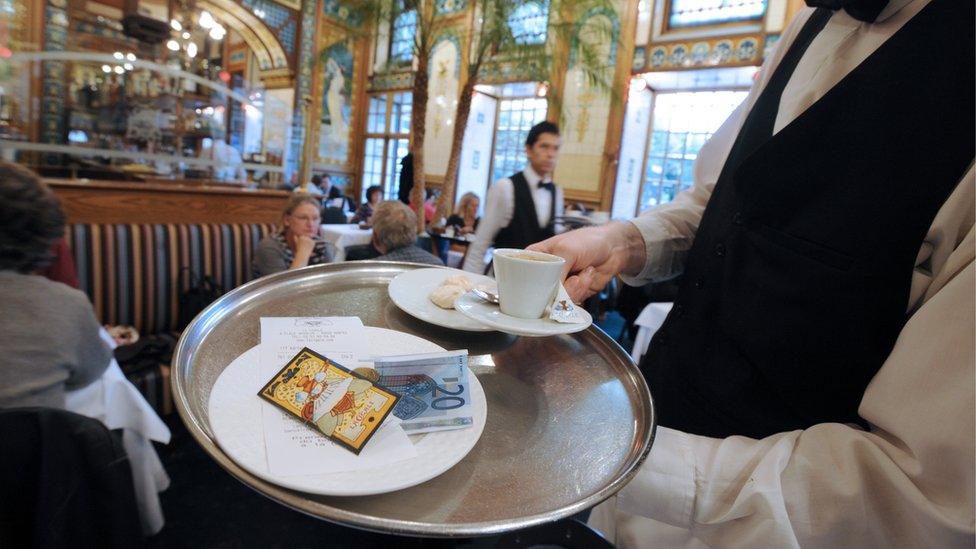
x: 343, y: 405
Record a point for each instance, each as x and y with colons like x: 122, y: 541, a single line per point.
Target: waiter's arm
x: 652, y: 246
x: 908, y: 482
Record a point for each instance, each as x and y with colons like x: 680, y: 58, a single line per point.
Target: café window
x: 519, y: 109
x: 699, y: 13
x: 528, y: 22
x: 387, y: 141
x: 682, y: 122
x: 402, y: 36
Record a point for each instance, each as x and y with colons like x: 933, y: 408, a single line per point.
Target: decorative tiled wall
x: 53, y: 74
x: 391, y: 81
x: 721, y: 52
x: 306, y: 60
x: 281, y: 20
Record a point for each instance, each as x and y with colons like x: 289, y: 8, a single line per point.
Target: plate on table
x: 236, y: 417
x: 409, y: 290
x: 479, y: 310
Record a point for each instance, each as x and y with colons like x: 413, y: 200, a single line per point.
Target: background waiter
x: 521, y: 209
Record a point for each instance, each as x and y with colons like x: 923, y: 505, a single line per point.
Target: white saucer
x: 481, y: 311
x: 236, y: 411
x: 409, y: 290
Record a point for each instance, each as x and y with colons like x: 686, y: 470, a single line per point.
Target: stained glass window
x: 529, y: 20
x: 402, y: 37
x: 693, y: 13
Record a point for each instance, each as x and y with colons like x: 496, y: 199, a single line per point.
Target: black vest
x: 798, y: 281
x: 524, y: 228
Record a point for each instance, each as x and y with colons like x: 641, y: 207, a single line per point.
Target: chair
x: 65, y: 480
x: 361, y: 252
x: 333, y: 216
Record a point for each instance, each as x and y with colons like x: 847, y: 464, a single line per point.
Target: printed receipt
x: 296, y: 449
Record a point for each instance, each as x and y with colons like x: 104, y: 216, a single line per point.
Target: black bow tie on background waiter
x: 548, y: 185
x: 862, y: 10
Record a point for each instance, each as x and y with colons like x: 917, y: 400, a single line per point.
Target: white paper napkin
x: 564, y: 310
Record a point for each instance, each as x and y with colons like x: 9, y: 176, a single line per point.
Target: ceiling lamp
x: 106, y: 69
x: 118, y: 55
x: 118, y: 69
x: 173, y: 45
x: 130, y: 57
x: 206, y: 20
x: 186, y: 35
x: 218, y: 31
x: 191, y: 50
x: 175, y: 25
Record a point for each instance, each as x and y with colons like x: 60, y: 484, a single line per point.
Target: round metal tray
x: 570, y: 417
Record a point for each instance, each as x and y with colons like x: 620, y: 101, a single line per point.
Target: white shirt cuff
x: 653, y: 231
x: 664, y: 487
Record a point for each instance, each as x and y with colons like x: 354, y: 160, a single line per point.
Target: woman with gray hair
x: 297, y: 243
x: 48, y: 331
x: 395, y: 234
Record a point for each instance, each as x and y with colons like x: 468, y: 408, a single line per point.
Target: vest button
x: 719, y: 249
x: 737, y: 218
x: 700, y: 283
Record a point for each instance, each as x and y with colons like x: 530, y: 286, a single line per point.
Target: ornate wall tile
x: 659, y: 57
x: 447, y: 7
x: 746, y: 49
x: 640, y: 59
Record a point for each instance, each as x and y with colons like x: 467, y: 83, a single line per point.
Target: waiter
x: 833, y: 206
x: 522, y: 209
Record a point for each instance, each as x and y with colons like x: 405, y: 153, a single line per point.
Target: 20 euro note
x: 433, y: 388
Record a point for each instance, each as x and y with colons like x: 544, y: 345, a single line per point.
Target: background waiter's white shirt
x: 909, y: 481
x: 499, y: 210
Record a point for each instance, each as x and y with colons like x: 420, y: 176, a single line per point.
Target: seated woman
x: 49, y: 335
x: 297, y: 243
x: 465, y: 217
x: 374, y: 195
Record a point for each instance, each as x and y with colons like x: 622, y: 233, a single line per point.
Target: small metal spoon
x: 487, y: 296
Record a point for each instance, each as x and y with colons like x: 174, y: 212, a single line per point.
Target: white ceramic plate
x: 235, y: 415
x: 486, y: 313
x: 409, y: 290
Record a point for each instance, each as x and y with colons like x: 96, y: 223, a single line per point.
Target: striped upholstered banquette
x: 134, y: 273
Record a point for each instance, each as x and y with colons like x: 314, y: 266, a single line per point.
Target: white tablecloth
x: 114, y: 401
x: 342, y: 236
x: 650, y: 319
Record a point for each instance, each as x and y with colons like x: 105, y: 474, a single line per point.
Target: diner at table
x: 680, y: 273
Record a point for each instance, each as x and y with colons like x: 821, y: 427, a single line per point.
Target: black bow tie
x: 862, y: 10
x: 549, y: 186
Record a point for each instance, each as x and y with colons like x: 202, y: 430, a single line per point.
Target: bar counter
x: 193, y: 201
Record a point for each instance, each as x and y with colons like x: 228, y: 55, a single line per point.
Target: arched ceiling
x: 267, y: 49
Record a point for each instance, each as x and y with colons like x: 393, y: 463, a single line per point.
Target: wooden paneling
x: 121, y: 202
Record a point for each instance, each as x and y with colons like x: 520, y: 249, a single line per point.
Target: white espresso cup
x: 527, y: 281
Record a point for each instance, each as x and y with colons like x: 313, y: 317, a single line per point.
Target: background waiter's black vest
x: 524, y: 228
x: 798, y: 280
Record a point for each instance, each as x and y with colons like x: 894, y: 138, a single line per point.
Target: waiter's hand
x: 594, y: 255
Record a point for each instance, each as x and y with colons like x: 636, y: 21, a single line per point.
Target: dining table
x: 343, y: 235
x: 115, y: 401
x: 569, y: 417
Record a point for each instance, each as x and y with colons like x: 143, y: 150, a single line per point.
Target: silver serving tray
x: 570, y: 417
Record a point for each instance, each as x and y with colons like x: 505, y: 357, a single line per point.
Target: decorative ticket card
x: 343, y: 405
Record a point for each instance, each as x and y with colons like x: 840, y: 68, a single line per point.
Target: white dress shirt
x: 500, y: 209
x: 906, y: 482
